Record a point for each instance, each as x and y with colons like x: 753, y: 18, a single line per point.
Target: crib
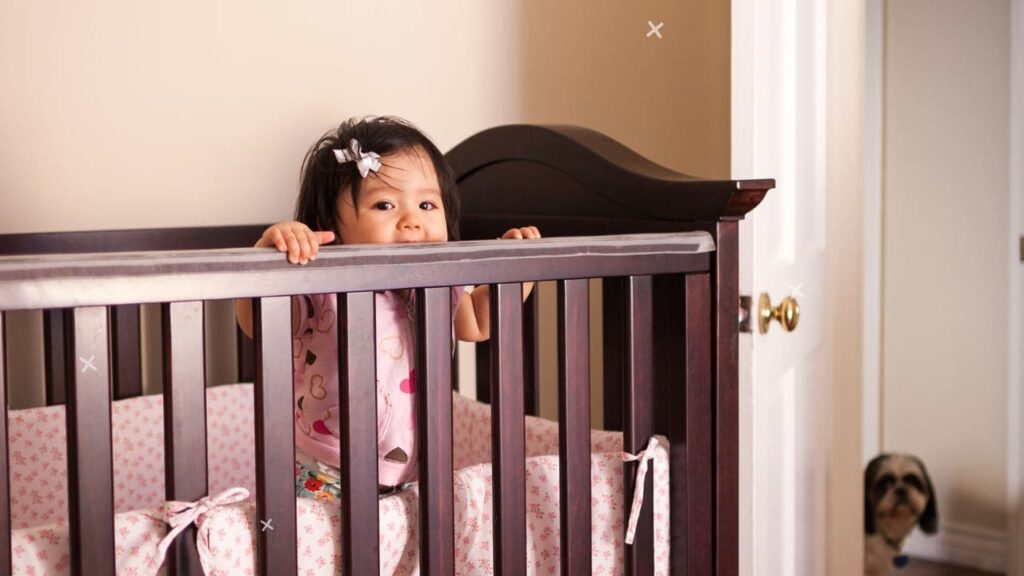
x: 664, y: 246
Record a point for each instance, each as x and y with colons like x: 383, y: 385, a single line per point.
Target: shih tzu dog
x: 898, y: 496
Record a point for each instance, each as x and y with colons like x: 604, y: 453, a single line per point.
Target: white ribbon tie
x: 180, y: 515
x: 645, y: 456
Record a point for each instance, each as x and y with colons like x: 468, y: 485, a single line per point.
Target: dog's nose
x: 901, y: 492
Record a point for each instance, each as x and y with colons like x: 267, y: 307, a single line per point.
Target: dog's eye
x: 913, y: 482
x: 885, y: 482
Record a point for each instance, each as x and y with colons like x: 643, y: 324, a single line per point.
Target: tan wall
x: 592, y: 64
x: 945, y: 251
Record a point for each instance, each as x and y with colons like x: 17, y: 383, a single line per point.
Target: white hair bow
x: 365, y: 161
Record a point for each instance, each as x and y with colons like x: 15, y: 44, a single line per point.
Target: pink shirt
x: 315, y: 350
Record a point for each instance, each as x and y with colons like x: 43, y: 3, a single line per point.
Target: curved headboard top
x: 566, y: 179
x: 555, y: 171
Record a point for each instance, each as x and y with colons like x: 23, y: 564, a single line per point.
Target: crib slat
x: 508, y: 429
x: 670, y: 409
x: 682, y: 345
x: 726, y: 398
x: 358, y: 400
x: 433, y: 383
x: 54, y: 354
x: 574, y: 428
x: 697, y: 468
x: 613, y: 311
x: 90, y: 454
x: 184, y: 421
x: 275, y: 437
x: 5, y: 487
x: 638, y: 416
x: 125, y: 339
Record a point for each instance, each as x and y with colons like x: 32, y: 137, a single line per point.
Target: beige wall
x: 944, y: 258
x: 126, y: 115
x: 138, y: 115
x: 129, y: 115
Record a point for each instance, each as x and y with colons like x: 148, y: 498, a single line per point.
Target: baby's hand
x: 295, y: 238
x: 527, y: 232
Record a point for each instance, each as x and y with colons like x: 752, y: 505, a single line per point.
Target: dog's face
x: 898, y: 495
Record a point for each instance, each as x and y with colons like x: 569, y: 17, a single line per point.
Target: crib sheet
x: 227, y: 534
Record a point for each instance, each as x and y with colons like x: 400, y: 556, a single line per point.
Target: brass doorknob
x: 787, y: 313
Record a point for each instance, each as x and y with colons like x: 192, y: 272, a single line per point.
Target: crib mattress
x: 226, y: 535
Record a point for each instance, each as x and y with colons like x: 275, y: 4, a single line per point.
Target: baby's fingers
x: 324, y: 237
x: 528, y: 232
x: 294, y: 247
x: 306, y: 245
x: 272, y: 237
x: 311, y: 242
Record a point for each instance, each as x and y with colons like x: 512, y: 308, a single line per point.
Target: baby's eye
x: 427, y: 205
x: 383, y: 205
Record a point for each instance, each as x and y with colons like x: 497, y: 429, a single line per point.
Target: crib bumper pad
x: 226, y: 535
x: 226, y: 532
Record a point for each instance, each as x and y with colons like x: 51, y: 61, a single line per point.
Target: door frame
x: 1015, y: 372
x: 874, y: 150
x: 741, y: 151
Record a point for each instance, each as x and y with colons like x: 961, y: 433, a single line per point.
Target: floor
x: 919, y: 567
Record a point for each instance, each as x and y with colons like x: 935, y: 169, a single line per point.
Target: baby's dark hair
x: 323, y: 178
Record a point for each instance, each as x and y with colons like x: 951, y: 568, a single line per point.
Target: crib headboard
x: 571, y: 180
x: 568, y: 178
x: 568, y: 181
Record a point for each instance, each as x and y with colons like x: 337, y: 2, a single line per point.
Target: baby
x: 381, y: 181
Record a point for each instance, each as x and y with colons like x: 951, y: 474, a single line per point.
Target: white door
x: 778, y: 116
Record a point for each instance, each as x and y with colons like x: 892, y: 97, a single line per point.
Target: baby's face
x: 400, y: 203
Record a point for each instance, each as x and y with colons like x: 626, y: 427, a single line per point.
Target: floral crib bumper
x: 226, y: 534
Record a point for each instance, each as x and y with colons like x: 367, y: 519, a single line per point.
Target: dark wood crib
x: 664, y: 244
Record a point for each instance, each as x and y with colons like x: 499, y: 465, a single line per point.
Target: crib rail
x: 68, y: 281
x: 85, y: 284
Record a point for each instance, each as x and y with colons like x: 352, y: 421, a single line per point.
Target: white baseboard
x: 961, y: 544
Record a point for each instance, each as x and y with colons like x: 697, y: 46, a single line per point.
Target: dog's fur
x: 898, y: 495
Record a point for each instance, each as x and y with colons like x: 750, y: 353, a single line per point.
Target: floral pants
x: 311, y: 482
x: 316, y: 480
